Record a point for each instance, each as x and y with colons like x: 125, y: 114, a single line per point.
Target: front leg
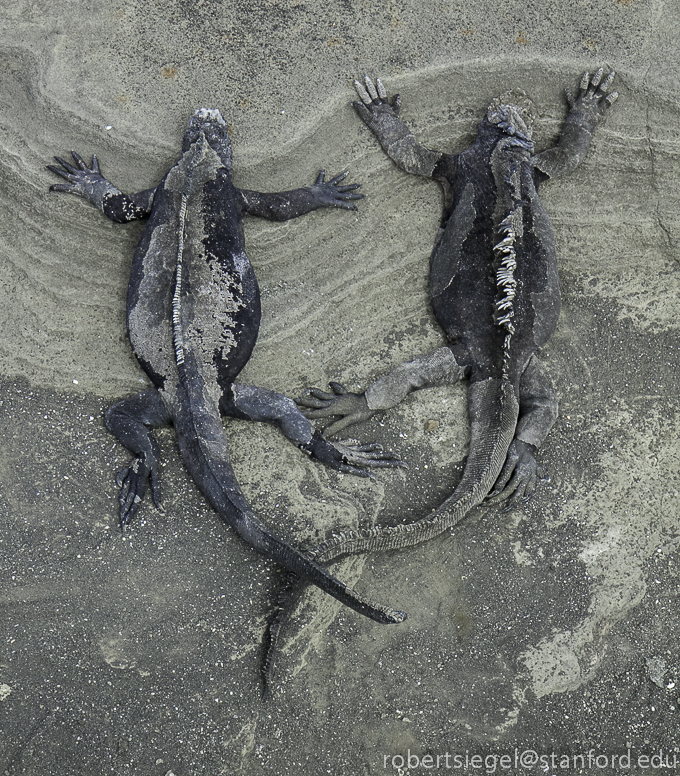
x: 89, y: 183
x: 585, y: 112
x: 130, y: 421
x: 382, y: 118
x: 285, y: 205
x: 249, y: 402
x: 438, y: 368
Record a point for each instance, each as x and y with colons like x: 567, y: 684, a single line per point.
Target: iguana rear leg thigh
x: 252, y: 403
x: 537, y: 414
x: 130, y: 421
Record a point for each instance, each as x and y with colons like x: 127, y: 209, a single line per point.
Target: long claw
x: 129, y: 504
x: 375, y: 458
x: 388, y: 463
x: 597, y: 77
x: 373, y: 454
x: 66, y: 165
x: 132, y: 483
x: 606, y: 84
x: 59, y: 171
x: 382, y: 92
x: 363, y: 94
x: 156, y: 492
x: 340, y: 177
x: 79, y: 161
x: 371, y: 447
x: 314, y: 398
x: 324, y: 394
x: 349, y: 195
x: 371, y: 88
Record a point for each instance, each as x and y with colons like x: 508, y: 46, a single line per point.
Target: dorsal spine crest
x: 505, y: 253
x: 178, y: 337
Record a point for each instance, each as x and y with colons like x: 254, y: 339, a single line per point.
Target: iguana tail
x: 205, y: 453
x: 493, y: 409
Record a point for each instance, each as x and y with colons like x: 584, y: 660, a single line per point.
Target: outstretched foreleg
x: 382, y: 117
x: 90, y: 184
x: 284, y: 205
x: 252, y: 403
x: 130, y: 421
x: 586, y: 111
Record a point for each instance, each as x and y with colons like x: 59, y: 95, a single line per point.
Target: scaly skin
x: 494, y: 290
x: 193, y: 313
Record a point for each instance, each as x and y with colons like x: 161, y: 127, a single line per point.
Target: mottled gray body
x: 494, y: 290
x: 193, y: 311
x: 218, y: 296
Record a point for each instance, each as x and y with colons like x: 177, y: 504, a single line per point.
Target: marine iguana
x: 193, y: 314
x: 494, y: 290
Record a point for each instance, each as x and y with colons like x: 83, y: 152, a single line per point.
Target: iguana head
x: 210, y: 124
x: 514, y: 113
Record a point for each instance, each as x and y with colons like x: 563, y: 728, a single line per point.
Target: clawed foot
x: 330, y: 194
x: 594, y: 98
x: 84, y: 181
x: 370, y: 455
x: 350, y: 458
x: 316, y: 404
x: 132, y: 483
x: 519, y: 477
x: 375, y: 109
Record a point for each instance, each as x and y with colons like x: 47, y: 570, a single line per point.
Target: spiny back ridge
x: 505, y: 255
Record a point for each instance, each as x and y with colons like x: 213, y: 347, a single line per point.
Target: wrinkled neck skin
x: 489, y: 134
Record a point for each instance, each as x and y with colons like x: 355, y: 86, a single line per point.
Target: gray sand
x: 553, y: 627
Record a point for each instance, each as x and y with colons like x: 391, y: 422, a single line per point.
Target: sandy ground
x: 551, y: 628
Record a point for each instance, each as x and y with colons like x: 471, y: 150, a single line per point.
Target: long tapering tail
x: 493, y: 409
x: 204, y: 451
x: 206, y: 455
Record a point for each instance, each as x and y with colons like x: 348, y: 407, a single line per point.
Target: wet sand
x: 552, y: 627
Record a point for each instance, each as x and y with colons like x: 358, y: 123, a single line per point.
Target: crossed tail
x: 493, y: 411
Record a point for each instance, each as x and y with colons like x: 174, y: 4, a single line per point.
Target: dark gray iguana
x: 193, y: 314
x: 494, y: 290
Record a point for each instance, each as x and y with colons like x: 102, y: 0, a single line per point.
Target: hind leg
x: 433, y: 369
x: 252, y: 403
x: 537, y: 414
x: 130, y: 421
